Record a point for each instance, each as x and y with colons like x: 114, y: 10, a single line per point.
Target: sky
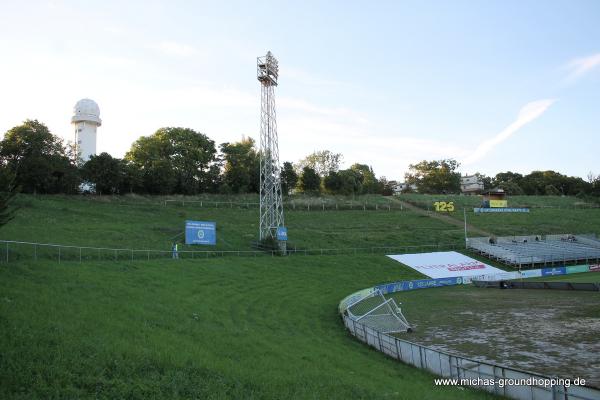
x: 496, y: 85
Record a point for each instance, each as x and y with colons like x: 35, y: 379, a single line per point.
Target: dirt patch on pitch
x: 549, y: 332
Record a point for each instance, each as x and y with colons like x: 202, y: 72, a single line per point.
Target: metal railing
x: 12, y: 250
x: 478, y: 374
x: 291, y: 205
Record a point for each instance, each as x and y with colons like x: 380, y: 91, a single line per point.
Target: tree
x: 509, y: 181
x: 346, y: 182
x: 289, y: 178
x: 511, y: 188
x: 323, y: 162
x: 242, y: 166
x: 105, y: 172
x: 434, y: 177
x: 332, y: 183
x: 368, y: 181
x: 132, y: 179
x: 7, y: 193
x: 486, y: 180
x: 38, y: 160
x: 386, y: 187
x: 309, y: 182
x: 174, y: 160
x: 351, y: 182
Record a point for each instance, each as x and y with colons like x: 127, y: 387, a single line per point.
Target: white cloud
x: 581, y: 66
x: 528, y: 113
x: 172, y: 48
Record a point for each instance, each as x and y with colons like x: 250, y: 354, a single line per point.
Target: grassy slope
x: 263, y: 328
x: 550, y: 215
x: 460, y: 201
x: 144, y: 224
x: 539, y: 221
x: 223, y: 328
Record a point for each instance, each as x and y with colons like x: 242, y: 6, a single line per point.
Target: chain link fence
x: 12, y: 251
x: 292, y: 205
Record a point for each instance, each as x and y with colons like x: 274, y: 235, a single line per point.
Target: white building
x: 403, y: 186
x: 85, y: 121
x: 471, y: 184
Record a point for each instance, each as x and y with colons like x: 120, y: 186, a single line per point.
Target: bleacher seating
x: 538, y: 250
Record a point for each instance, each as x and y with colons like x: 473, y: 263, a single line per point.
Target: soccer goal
x: 379, y: 313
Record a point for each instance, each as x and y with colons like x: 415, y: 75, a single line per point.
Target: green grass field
x: 112, y: 222
x: 252, y: 328
x: 460, y: 201
x: 234, y: 327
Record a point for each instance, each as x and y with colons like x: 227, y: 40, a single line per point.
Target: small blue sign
x: 282, y: 233
x: 200, y: 232
x: 501, y: 210
x: 554, y: 271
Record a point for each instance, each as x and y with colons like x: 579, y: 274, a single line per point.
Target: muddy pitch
x: 551, y: 332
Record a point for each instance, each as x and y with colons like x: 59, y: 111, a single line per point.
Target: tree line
x: 441, y: 176
x: 182, y: 161
x: 171, y: 161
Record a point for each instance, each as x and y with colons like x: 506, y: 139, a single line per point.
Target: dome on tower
x: 86, y: 110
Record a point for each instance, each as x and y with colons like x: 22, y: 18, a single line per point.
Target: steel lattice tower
x: 271, y: 204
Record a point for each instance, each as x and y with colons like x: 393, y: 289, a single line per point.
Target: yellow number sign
x: 444, y: 206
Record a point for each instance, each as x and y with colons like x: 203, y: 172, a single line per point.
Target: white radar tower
x: 85, y: 121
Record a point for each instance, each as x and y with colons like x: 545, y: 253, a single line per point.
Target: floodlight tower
x: 271, y: 204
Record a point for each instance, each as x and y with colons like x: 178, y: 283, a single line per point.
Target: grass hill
x: 251, y: 328
x: 147, y: 223
x: 241, y: 327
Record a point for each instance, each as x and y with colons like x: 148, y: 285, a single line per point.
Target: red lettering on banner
x: 464, y: 266
x: 595, y: 267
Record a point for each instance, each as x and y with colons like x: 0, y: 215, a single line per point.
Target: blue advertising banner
x: 531, y: 273
x: 282, y: 233
x: 504, y: 209
x: 200, y: 232
x: 554, y: 271
x: 419, y: 284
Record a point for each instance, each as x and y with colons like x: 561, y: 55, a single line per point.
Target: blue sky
x: 505, y: 85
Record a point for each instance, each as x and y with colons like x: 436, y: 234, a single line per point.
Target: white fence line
x: 292, y: 205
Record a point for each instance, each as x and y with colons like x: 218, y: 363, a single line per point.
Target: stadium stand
x: 532, y: 250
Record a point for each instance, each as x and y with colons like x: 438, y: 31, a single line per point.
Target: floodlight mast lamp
x: 271, y: 203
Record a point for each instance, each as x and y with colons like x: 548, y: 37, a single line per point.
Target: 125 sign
x: 444, y: 206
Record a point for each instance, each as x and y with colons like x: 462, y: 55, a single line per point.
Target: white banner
x: 445, y: 264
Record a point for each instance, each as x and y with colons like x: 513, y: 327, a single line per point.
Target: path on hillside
x: 444, y: 218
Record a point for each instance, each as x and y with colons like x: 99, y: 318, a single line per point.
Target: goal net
x: 379, y: 313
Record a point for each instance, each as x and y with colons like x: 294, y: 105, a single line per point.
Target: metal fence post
x: 35, y: 252
x: 59, y: 254
x: 80, y: 255
x: 6, y: 251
